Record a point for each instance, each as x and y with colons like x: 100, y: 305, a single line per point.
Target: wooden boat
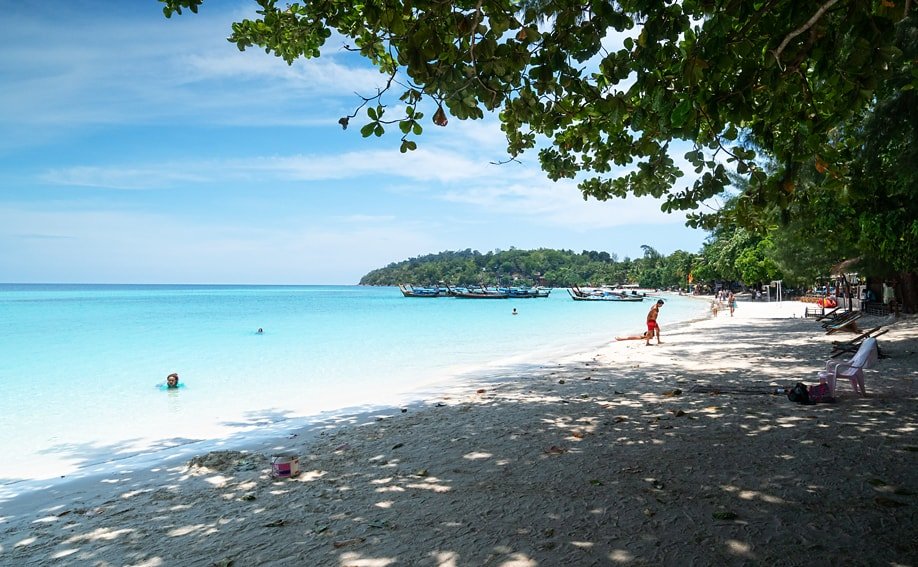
x: 478, y: 293
x: 527, y: 292
x: 578, y: 294
x: 635, y: 289
x: 411, y: 291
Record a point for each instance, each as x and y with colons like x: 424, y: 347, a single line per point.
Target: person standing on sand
x: 731, y: 302
x: 652, y: 327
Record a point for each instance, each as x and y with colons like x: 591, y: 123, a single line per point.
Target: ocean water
x: 81, y: 365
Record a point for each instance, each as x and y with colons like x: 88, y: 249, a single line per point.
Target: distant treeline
x: 554, y: 268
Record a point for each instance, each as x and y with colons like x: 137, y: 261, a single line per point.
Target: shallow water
x: 81, y: 365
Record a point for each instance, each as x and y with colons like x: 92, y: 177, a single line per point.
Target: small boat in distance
x: 473, y: 292
x: 635, y: 289
x: 601, y: 294
x: 412, y: 291
x: 478, y: 292
x: 526, y: 292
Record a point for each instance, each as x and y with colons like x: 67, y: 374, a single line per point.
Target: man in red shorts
x: 652, y: 327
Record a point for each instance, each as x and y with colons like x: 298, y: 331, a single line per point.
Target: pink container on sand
x: 285, y: 466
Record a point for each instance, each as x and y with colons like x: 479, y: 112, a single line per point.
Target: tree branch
x: 477, y: 21
x: 809, y: 23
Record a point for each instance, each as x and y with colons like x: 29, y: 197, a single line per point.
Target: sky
x: 136, y: 149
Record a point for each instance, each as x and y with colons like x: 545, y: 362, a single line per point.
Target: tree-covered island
x: 553, y: 268
x: 720, y: 262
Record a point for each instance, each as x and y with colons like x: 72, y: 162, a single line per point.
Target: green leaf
x: 730, y: 133
x: 681, y: 113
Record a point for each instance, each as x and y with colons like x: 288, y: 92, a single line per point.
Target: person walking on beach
x: 652, y: 327
x: 731, y: 302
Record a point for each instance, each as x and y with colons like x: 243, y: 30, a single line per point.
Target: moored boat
x: 635, y: 289
x: 527, y: 292
x: 478, y: 293
x: 412, y: 291
x: 600, y: 294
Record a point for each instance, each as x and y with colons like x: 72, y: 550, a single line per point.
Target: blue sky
x: 136, y: 149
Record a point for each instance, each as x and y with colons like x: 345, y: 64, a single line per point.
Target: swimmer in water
x: 172, y: 381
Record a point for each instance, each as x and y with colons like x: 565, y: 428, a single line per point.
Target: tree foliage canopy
x: 602, y: 84
x: 809, y: 109
x: 864, y: 203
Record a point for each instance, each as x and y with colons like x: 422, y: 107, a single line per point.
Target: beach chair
x: 846, y: 324
x: 852, y: 369
x: 837, y: 317
x: 825, y: 316
x: 841, y: 347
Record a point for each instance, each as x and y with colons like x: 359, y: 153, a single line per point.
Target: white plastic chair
x: 853, y: 369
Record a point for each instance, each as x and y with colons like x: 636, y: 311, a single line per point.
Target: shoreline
x: 255, y: 435
x: 567, y: 462
x: 95, y: 399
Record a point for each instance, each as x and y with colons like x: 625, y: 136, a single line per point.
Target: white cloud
x: 142, y: 177
x: 148, y: 70
x: 432, y: 173
x: 562, y: 204
x: 422, y: 165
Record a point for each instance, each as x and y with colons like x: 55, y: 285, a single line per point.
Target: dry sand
x: 678, y: 454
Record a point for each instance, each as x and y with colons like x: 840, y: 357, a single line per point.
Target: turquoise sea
x: 80, y: 365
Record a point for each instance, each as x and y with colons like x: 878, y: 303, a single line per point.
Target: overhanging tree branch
x: 809, y: 23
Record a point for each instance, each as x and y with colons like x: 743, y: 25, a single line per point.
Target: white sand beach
x: 677, y: 454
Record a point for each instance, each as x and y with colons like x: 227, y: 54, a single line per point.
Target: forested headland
x: 563, y: 268
x: 554, y: 268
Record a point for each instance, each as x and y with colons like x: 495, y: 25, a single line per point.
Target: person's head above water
x: 172, y: 380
